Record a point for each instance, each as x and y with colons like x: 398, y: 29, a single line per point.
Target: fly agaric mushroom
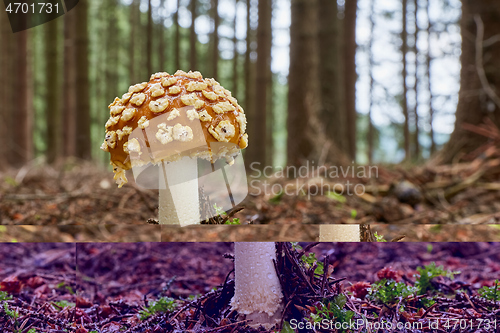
x: 339, y: 233
x: 171, y: 121
x: 257, y: 293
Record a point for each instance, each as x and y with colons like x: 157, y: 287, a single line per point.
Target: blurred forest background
x: 315, y: 69
x: 410, y: 85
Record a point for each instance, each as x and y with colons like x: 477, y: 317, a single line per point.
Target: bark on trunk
x: 475, y: 102
x: 192, y: 36
x: 53, y: 111
x: 83, y: 143
x: 260, y: 131
x: 69, y: 102
x: 350, y: 74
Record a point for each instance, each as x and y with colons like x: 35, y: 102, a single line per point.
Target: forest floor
x: 81, y: 194
x: 186, y: 287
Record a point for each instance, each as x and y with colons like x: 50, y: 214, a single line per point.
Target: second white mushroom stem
x: 257, y: 293
x: 179, y: 202
x: 339, y: 233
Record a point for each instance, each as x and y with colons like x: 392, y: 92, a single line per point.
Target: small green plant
x: 4, y: 296
x: 277, y: 198
x: 233, y: 222
x: 32, y: 330
x: 390, y: 291
x: 335, y: 196
x: 333, y: 310
x: 220, y: 211
x: 354, y: 213
x: 379, y: 238
x: 491, y: 293
x: 11, y: 313
x: 429, y: 272
x: 63, y: 304
x: 287, y: 328
x: 163, y: 304
x: 309, y: 260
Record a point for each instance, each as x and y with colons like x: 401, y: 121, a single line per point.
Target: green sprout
x: 11, y: 313
x: 4, y: 296
x: 310, y: 260
x: 334, y: 310
x: 379, y: 238
x: 390, y: 291
x: 491, y: 293
x: 427, y: 273
x: 164, y: 304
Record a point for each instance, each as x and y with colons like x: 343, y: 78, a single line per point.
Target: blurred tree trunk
x: 215, y: 39
x: 149, y: 40
x: 192, y: 36
x: 371, y: 129
x: 5, y: 86
x: 260, y: 129
x: 134, y: 23
x: 428, y: 74
x: 351, y: 7
x: 177, y: 54
x: 404, y: 74
x: 235, y: 51
x: 479, y: 90
x: 83, y: 142
x: 20, y: 122
x: 307, y: 140
x: 249, y: 80
x: 52, y: 74
x: 416, y: 142
x: 331, y: 75
x: 69, y: 101
x: 111, y: 53
x: 161, y: 41
x: 302, y: 82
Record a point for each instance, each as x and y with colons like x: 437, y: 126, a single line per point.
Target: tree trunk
x: 53, y: 111
x: 302, y: 83
x: 416, y: 142
x: 83, y: 142
x: 478, y: 97
x: 161, y: 41
x: 149, y: 40
x: 215, y: 39
x: 331, y: 75
x: 20, y: 124
x: 429, y: 85
x: 69, y: 102
x: 134, y: 23
x: 350, y: 74
x: 371, y: 129
x: 5, y: 86
x: 177, y: 54
x: 192, y: 36
x: 404, y: 74
x: 235, y: 51
x: 249, y: 83
x: 259, y: 130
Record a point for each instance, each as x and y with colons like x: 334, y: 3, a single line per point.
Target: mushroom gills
x: 179, y: 199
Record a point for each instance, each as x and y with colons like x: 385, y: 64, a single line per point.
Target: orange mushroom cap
x: 170, y: 117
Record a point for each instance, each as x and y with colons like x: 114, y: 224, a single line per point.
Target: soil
x: 103, y: 287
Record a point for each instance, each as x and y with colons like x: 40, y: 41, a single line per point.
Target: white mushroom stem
x: 257, y: 293
x: 179, y: 202
x: 339, y: 233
